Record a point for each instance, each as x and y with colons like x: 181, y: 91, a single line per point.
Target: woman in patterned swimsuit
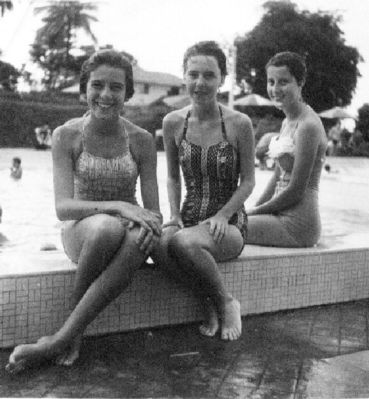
x: 214, y: 148
x: 96, y: 162
x: 287, y: 213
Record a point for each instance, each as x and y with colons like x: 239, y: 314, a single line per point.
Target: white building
x: 149, y: 86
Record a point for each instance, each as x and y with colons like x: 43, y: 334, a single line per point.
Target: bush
x: 21, y: 114
x: 19, y: 119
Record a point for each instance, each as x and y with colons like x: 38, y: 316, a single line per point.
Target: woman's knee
x: 105, y: 230
x: 183, y: 243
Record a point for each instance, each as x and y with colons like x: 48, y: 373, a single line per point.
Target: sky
x: 157, y: 32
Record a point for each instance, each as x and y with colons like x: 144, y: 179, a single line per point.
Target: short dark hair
x: 17, y: 160
x: 207, y: 48
x: 107, y: 57
x: 293, y: 61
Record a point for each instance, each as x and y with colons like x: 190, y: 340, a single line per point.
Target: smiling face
x: 282, y: 87
x: 203, y: 78
x: 106, y: 91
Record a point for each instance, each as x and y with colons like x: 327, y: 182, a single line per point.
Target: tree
x: 5, y: 5
x: 332, y: 65
x: 8, y: 77
x: 363, y: 121
x: 55, y: 42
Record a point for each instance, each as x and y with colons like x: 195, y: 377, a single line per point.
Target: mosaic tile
x: 263, y: 284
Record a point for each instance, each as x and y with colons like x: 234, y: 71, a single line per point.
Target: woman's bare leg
x: 106, y: 287
x: 168, y: 263
x: 268, y: 230
x: 196, y: 252
x: 91, y: 242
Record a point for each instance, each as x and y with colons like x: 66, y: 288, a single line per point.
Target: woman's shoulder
x: 235, y: 117
x: 137, y: 135
x: 311, y: 120
x: 176, y: 117
x: 68, y: 132
x: 311, y: 127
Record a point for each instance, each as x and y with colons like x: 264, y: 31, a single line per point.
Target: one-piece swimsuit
x: 104, y: 179
x: 211, y: 176
x: 301, y: 221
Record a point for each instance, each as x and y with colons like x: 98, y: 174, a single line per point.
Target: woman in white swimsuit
x: 287, y: 213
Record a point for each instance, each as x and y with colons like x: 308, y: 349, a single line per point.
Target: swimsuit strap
x: 224, y: 133
x: 185, y: 127
x: 84, y: 123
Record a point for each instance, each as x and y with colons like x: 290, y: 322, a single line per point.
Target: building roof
x: 158, y: 78
x: 141, y: 99
x: 145, y: 77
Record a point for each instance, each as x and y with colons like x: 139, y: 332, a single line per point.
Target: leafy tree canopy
x: 5, y: 5
x: 54, y: 48
x: 363, y: 121
x: 8, y: 76
x: 332, y: 65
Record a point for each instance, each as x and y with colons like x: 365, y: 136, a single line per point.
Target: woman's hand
x: 147, y: 240
x: 218, y: 226
x: 174, y: 221
x: 146, y: 219
x: 149, y: 222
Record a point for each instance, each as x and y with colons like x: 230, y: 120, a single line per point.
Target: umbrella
x: 179, y: 101
x: 253, y: 100
x: 336, y: 113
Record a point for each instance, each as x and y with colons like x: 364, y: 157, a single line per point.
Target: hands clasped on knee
x: 149, y: 223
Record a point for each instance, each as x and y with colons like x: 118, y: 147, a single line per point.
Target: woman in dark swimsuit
x: 214, y: 148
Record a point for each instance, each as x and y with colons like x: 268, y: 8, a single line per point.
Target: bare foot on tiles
x: 210, y: 325
x: 231, y: 321
x: 28, y: 355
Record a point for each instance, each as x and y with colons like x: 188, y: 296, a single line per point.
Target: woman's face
x: 203, y: 78
x: 106, y: 91
x: 282, y: 87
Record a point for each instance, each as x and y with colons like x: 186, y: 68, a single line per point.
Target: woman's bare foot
x: 211, y: 325
x: 231, y: 321
x: 71, y: 354
x: 25, y: 356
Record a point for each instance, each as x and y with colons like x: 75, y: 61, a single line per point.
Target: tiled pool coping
x: 35, y: 288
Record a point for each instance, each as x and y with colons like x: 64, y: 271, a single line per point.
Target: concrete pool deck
x: 303, y: 353
x: 319, y: 352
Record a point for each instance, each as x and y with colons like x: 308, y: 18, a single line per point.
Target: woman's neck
x: 205, y: 111
x: 104, y: 127
x: 295, y: 111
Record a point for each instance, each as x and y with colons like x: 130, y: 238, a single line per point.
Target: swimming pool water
x: 29, y: 220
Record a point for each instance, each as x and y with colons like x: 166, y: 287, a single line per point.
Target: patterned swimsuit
x: 103, y: 179
x: 211, y: 177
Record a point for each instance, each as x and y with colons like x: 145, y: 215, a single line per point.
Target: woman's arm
x: 148, y: 168
x: 144, y: 148
x: 246, y: 153
x: 307, y: 142
x: 69, y: 208
x: 270, y: 187
x: 174, y: 189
